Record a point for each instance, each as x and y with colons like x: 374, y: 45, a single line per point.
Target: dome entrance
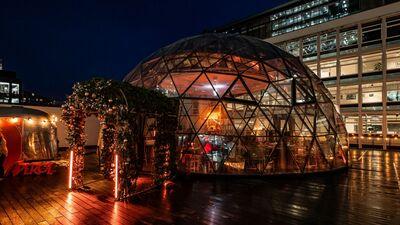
x: 246, y: 107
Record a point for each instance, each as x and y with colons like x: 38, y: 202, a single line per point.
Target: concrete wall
x: 91, y: 129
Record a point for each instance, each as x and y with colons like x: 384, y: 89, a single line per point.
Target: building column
x: 338, y: 69
x: 301, y: 49
x: 384, y: 86
x: 360, y: 67
x: 319, y: 55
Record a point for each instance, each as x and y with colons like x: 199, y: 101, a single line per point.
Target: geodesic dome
x: 246, y: 107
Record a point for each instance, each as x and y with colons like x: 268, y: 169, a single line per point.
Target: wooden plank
x: 11, y: 212
x: 20, y: 210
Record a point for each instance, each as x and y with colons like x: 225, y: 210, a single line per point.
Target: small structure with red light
x: 30, y: 138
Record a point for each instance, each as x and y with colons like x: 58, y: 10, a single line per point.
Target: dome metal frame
x: 247, y: 107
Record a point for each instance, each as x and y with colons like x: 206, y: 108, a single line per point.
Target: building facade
x: 354, y: 46
x: 10, y: 87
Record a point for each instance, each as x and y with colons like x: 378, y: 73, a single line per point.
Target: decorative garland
x: 121, y: 109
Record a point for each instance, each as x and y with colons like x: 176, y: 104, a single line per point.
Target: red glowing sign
x: 32, y: 168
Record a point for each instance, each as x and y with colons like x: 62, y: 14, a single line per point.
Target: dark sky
x: 52, y: 44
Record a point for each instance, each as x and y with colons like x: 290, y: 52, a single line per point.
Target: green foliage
x: 120, y: 108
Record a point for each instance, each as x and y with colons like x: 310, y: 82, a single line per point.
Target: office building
x: 354, y: 46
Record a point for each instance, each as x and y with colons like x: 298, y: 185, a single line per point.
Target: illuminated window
x: 351, y: 124
x: 293, y: 48
x: 15, y: 89
x: 328, y: 69
x: 4, y: 87
x: 393, y: 124
x: 310, y: 47
x: 372, y: 93
x: 349, y: 66
x: 393, y: 59
x: 348, y: 38
x: 393, y: 91
x: 372, y: 62
x: 372, y: 124
x: 349, y: 94
x: 328, y: 42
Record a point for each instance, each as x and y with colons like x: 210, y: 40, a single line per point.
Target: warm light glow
x: 14, y: 120
x: 71, y: 159
x: 54, y: 119
x: 30, y: 121
x: 116, y: 177
x: 215, y: 117
x: 44, y: 122
x: 69, y: 198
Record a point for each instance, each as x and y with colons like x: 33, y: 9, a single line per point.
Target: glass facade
x: 247, y: 107
x: 362, y: 66
x: 296, y: 15
x: 308, y: 14
x: 364, y: 53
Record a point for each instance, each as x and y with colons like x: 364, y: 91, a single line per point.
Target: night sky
x: 52, y: 44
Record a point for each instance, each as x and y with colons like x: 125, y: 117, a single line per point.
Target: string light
x: 30, y: 121
x: 14, y: 120
x: 44, y: 122
x: 54, y: 119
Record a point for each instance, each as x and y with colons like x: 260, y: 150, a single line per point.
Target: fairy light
x: 54, y: 119
x: 30, y: 121
x: 71, y: 159
x: 14, y: 120
x: 44, y: 122
x: 116, y: 177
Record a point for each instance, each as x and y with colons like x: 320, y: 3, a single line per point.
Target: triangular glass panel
x: 216, y: 148
x: 258, y: 87
x: 277, y: 115
x: 274, y: 74
x: 276, y: 96
x: 218, y: 122
x: 183, y: 81
x: 279, y: 65
x: 327, y: 144
x: 201, y: 88
x: 199, y: 111
x: 238, y: 91
x: 168, y: 87
x: 239, y: 114
x: 185, y: 125
x: 235, y: 161
x: 220, y: 82
x: 223, y: 64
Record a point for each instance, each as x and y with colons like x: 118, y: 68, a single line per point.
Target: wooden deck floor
x: 367, y: 194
